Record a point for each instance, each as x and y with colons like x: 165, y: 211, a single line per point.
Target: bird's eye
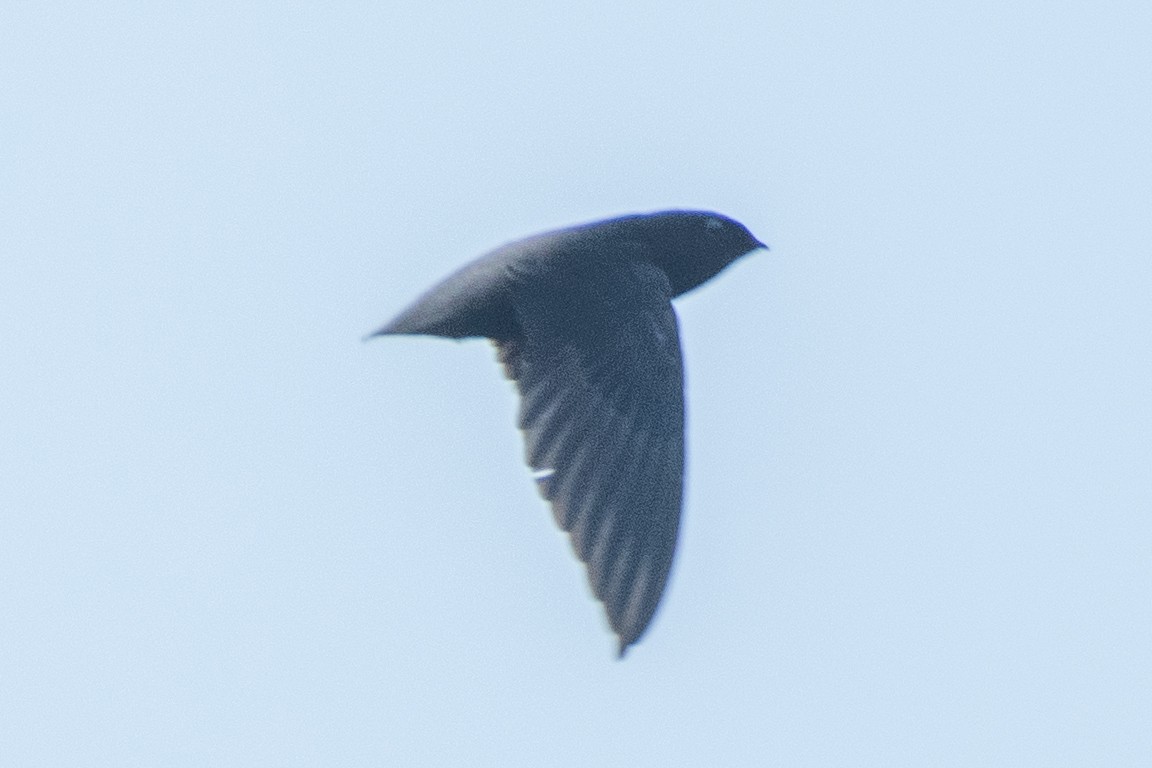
x: 713, y: 224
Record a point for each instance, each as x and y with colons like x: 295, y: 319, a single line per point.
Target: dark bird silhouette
x: 583, y: 323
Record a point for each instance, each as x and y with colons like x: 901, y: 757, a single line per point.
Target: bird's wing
x: 597, y: 362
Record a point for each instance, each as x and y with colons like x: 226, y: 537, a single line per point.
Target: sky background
x: 917, y: 523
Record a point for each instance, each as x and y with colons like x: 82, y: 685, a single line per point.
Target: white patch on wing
x: 542, y: 474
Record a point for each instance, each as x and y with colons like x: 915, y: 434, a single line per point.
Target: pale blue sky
x: 918, y: 521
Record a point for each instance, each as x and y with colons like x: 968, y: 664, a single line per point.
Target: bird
x: 583, y: 323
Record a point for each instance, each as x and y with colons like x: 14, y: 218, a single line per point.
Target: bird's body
x: 583, y: 323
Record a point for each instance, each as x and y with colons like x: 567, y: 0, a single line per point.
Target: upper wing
x: 597, y: 361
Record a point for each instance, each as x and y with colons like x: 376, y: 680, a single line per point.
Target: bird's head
x: 694, y: 246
